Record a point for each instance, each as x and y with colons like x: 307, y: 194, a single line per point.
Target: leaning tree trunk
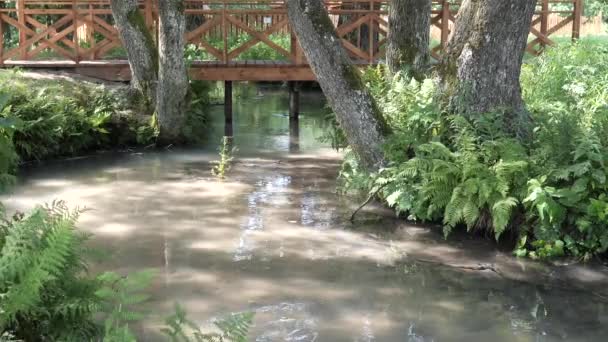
x: 482, y: 64
x: 140, y: 46
x: 172, y: 96
x: 409, y: 27
x: 356, y: 111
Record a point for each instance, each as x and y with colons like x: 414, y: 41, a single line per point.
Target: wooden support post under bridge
x: 294, y: 99
x: 228, y: 129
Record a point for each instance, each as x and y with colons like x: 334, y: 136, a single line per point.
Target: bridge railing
x: 225, y: 31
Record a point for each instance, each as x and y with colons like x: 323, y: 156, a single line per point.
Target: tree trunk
x: 355, y: 109
x: 482, y: 64
x: 140, y: 46
x: 409, y: 30
x: 172, y: 99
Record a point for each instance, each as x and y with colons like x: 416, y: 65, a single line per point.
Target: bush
x: 8, y: 155
x: 46, y: 293
x: 550, y: 193
x: 57, y: 119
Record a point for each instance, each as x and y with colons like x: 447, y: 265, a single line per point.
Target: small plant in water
x: 226, y: 152
x: 233, y: 328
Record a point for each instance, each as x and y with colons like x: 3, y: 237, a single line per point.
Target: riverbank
x: 274, y: 238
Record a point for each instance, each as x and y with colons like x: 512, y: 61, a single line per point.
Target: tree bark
x: 355, y: 109
x: 172, y: 96
x: 140, y: 46
x: 482, y: 64
x: 409, y: 23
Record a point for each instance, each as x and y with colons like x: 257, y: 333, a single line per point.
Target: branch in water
x: 369, y: 199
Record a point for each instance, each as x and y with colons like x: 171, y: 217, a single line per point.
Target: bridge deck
x: 118, y: 70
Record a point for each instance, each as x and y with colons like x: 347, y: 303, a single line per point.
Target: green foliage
x: 44, y: 290
x: 8, y: 155
x: 226, y: 152
x: 233, y: 328
x: 46, y: 293
x: 332, y: 133
x: 120, y: 296
x: 551, y: 193
x: 196, y: 115
x: 55, y: 122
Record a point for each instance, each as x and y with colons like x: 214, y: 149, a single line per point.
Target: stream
x: 274, y: 238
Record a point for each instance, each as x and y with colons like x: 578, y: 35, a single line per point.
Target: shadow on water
x: 274, y: 238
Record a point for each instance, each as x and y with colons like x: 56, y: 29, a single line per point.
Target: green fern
x: 43, y: 293
x: 234, y: 328
x: 120, y: 297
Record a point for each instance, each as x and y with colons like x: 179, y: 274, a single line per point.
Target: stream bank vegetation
x: 47, y: 292
x: 42, y: 119
x: 547, y: 193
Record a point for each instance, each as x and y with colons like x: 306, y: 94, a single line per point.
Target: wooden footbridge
x: 227, y: 40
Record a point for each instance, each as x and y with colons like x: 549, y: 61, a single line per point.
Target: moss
x: 138, y: 21
x: 318, y: 15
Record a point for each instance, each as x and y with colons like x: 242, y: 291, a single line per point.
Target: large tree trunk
x: 172, y: 99
x: 355, y: 108
x: 482, y: 64
x: 140, y: 46
x: 409, y: 27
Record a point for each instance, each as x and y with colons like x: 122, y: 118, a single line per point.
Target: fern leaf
x: 501, y: 215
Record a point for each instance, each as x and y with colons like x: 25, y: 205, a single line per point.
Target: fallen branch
x: 369, y: 199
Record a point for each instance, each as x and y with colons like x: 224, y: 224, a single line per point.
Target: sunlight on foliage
x: 447, y: 169
x: 226, y: 154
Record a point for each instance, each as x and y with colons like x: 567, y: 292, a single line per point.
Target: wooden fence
x: 83, y: 30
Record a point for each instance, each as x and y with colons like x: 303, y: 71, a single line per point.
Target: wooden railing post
x: 91, y: 33
x: 224, y: 33
x: 75, y: 23
x: 544, y: 21
x: 148, y: 15
x: 371, y: 34
x: 576, y: 23
x: 1, y: 41
x: 22, y: 34
x: 445, y: 24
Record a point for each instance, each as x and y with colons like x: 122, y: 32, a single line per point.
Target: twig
x: 369, y: 199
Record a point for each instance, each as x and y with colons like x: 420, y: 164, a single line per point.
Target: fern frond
x: 236, y: 327
x: 501, y: 214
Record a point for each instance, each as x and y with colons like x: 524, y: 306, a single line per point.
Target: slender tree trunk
x: 140, y: 46
x: 172, y: 97
x: 355, y: 109
x: 482, y: 64
x: 409, y: 30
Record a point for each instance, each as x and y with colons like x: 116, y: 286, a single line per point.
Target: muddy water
x: 273, y: 238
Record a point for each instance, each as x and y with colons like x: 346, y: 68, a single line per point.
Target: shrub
x: 550, y: 193
x: 8, y: 155
x: 46, y: 293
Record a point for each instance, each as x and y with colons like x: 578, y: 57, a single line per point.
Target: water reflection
x: 274, y: 238
x: 294, y: 134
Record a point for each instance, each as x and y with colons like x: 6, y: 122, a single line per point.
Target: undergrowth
x: 48, y: 294
x: 550, y: 194
x: 45, y: 119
